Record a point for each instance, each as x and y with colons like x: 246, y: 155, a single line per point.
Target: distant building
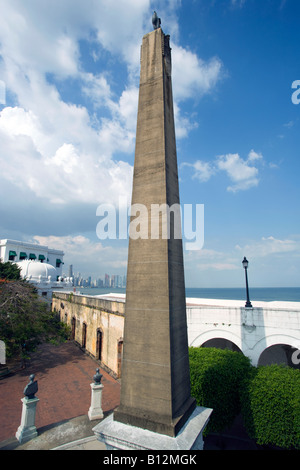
x: 40, y: 265
x: 71, y: 270
x: 12, y: 250
x: 107, y: 280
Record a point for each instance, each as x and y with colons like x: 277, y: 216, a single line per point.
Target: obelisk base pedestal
x: 119, y: 436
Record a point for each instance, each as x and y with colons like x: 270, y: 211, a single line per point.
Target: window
x: 12, y: 255
x: 41, y: 258
x: 23, y: 255
x: 32, y: 256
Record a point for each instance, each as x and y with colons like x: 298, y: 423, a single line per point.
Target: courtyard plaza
x: 64, y: 374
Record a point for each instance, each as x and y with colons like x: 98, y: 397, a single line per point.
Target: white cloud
x: 271, y: 261
x: 199, y: 77
x: 268, y: 246
x: 56, y: 148
x: 88, y: 256
x: 127, y: 108
x: 254, y: 156
x: 61, y: 150
x: 217, y: 266
x: 237, y: 3
x: 63, y: 172
x: 212, y: 260
x: 96, y: 87
x: 241, y: 172
x: 33, y: 38
x: 289, y: 124
x: 65, y: 157
x: 202, y: 170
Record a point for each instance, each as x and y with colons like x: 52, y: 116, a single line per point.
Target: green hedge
x: 271, y: 406
x: 267, y: 396
x: 216, y: 376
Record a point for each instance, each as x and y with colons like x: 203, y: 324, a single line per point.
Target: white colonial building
x: 12, y: 250
x: 40, y: 265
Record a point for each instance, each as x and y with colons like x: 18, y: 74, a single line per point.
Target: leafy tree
x: 25, y: 319
x: 10, y: 271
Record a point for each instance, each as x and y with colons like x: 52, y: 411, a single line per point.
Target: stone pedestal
x: 95, y: 410
x: 119, y: 436
x: 27, y: 429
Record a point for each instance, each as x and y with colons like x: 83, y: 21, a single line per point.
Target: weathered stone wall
x: 250, y: 330
x: 103, y: 320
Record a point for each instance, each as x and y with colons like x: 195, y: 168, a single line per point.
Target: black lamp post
x: 245, y: 265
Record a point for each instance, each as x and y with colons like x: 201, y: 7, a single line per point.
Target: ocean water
x: 265, y: 294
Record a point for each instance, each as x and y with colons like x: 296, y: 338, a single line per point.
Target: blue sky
x: 69, y: 74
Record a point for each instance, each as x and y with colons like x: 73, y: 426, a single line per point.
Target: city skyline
x: 69, y: 83
x: 108, y: 280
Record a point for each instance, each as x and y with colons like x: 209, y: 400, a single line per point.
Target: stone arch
x: 221, y: 343
x: 269, y: 341
x: 280, y: 354
x: 217, y: 334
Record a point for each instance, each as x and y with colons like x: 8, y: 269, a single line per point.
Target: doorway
x: 83, y: 344
x: 73, y: 326
x: 99, y: 345
x: 120, y: 355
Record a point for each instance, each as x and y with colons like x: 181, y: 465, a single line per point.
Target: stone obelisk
x: 155, y: 391
x: 155, y: 387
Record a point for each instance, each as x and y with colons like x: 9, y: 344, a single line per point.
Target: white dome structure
x: 35, y: 271
x: 44, y: 277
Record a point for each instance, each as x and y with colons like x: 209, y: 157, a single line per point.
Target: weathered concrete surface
x: 155, y: 392
x: 117, y: 436
x: 70, y: 434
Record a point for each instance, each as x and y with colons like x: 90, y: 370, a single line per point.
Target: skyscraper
x: 71, y: 270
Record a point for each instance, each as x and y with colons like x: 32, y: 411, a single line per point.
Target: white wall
x: 251, y: 330
x: 13, y: 245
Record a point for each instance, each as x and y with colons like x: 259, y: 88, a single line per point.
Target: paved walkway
x: 64, y: 374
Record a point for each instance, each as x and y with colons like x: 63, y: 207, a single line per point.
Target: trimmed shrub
x: 271, y: 406
x: 216, y: 376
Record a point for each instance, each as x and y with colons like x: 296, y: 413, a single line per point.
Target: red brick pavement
x: 64, y: 374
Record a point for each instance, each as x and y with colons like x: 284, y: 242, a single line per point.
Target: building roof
x: 34, y: 246
x: 35, y: 270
